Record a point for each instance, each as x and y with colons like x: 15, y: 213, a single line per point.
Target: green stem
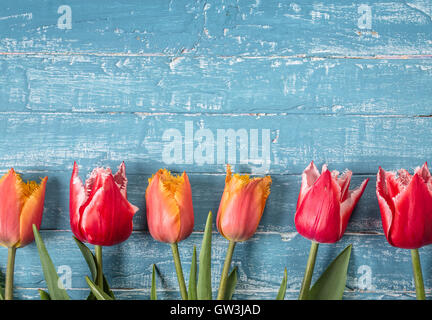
x: 225, y: 270
x: 309, y: 271
x: 10, y: 273
x: 99, y: 266
x: 418, y: 276
x: 179, y: 270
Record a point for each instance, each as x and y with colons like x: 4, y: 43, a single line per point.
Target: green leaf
x: 331, y: 284
x: 88, y: 256
x: 231, y: 283
x: 2, y: 285
x: 204, y: 289
x: 107, y: 288
x: 50, y: 273
x: 153, y: 295
x: 192, y: 290
x: 283, y: 286
x: 44, y: 295
x: 91, y: 262
x: 97, y: 291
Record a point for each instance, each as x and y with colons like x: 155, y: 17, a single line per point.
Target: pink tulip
x: 100, y: 213
x: 405, y: 203
x: 325, y: 204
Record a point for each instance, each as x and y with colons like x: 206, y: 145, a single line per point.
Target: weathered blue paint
x: 231, y: 27
x: 325, y: 84
x: 190, y: 84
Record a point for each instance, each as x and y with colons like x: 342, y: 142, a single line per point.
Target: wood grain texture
x: 144, y: 141
x: 219, y: 28
x: 275, y: 85
x: 299, y: 81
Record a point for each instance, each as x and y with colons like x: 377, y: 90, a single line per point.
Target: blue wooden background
x: 347, y: 83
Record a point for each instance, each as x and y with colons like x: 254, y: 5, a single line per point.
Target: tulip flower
x: 100, y: 213
x: 405, y: 203
x: 170, y: 216
x: 325, y: 204
x: 240, y: 212
x: 21, y: 206
x: 324, y: 207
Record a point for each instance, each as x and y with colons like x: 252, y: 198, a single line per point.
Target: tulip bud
x: 170, y: 215
x: 21, y: 206
x: 405, y: 203
x: 242, y: 205
x: 100, y: 213
x: 325, y: 204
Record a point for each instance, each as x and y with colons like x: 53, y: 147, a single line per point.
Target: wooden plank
x: 376, y: 269
x: 218, y: 27
x: 280, y: 144
x: 215, y: 85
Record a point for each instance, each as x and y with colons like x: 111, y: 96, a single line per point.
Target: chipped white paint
x: 27, y: 16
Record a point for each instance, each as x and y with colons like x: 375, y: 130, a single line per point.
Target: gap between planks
x: 214, y: 114
x: 270, y: 57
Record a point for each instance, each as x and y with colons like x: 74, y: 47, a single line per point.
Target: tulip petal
x: 183, y: 197
x: 344, y: 183
x: 403, y: 179
x: 309, y: 176
x: 10, y: 208
x: 106, y: 217
x: 77, y: 197
x: 163, y: 213
x: 424, y: 173
x: 347, y: 206
x: 318, y: 216
x: 242, y: 206
x: 385, y: 201
x: 32, y: 214
x: 121, y: 180
x: 411, y: 223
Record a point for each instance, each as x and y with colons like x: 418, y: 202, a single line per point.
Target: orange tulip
x: 170, y: 215
x: 21, y: 206
x: 242, y: 205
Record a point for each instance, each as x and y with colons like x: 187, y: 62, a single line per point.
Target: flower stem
x: 179, y: 270
x: 10, y: 273
x: 225, y: 270
x: 418, y: 276
x: 99, y: 266
x: 309, y: 271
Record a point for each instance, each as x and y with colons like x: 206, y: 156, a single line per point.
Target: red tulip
x: 242, y: 205
x: 325, y: 204
x: 21, y: 206
x: 405, y: 203
x: 100, y: 213
x: 170, y: 215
